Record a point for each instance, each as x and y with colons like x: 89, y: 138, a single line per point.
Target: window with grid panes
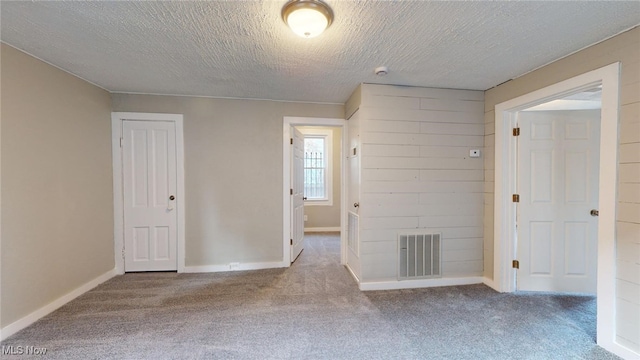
x: 317, y: 166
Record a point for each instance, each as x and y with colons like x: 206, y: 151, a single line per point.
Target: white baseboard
x: 420, y: 283
x: 620, y: 350
x: 322, y: 229
x: 235, y: 267
x: 22, y: 323
x: 490, y: 283
x: 355, y: 277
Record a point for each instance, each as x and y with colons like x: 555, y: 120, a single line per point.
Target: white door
x: 353, y: 219
x: 558, y: 167
x: 297, y: 198
x: 149, y: 179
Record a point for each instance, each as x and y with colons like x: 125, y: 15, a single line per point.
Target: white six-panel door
x: 297, y: 198
x: 558, y: 157
x: 149, y: 180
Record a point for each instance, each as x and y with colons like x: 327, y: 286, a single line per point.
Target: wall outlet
x: 234, y: 266
x: 474, y: 153
x: 305, y: 218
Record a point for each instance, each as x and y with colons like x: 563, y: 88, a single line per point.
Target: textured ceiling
x: 243, y: 49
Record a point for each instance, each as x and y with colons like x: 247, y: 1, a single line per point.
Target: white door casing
x: 557, y: 182
x: 288, y: 123
x: 149, y: 179
x: 297, y: 195
x: 505, y: 185
x: 174, y: 123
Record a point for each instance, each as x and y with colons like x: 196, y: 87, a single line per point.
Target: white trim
x: 504, y: 213
x: 287, y: 123
x: 355, y: 277
x: 235, y: 267
x: 419, y: 283
x: 118, y: 203
x: 623, y: 352
x: 577, y: 51
x: 54, y: 305
x: 56, y: 66
x: 322, y: 229
x: 228, y: 98
x: 490, y: 283
x: 1, y: 337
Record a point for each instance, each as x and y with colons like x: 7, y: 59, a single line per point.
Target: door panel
x: 149, y: 174
x: 558, y: 158
x: 541, y: 250
x: 297, y: 201
x: 575, y: 249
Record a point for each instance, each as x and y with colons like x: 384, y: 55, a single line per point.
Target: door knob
x: 172, y: 197
x: 304, y: 198
x: 356, y: 204
x: 594, y: 212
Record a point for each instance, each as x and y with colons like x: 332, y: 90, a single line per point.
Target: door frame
x: 287, y: 123
x: 505, y: 184
x: 117, y: 119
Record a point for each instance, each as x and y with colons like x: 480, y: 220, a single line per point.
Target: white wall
x: 624, y: 48
x: 417, y: 175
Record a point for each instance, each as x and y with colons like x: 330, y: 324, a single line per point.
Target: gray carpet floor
x: 312, y: 310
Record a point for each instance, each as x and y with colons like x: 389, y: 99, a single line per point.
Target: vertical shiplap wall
x: 624, y: 48
x: 417, y: 175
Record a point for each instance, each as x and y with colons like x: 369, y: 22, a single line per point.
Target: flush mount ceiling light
x: 307, y: 18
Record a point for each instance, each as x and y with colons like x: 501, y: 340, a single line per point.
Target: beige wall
x: 233, y: 172
x: 626, y: 49
x: 328, y: 216
x: 57, y: 203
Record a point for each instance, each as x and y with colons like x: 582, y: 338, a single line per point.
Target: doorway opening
x: 506, y: 186
x: 313, y: 181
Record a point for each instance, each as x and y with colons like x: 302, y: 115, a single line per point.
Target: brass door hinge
x: 515, y: 264
x: 291, y: 142
x: 516, y: 198
x: 290, y: 191
x: 290, y: 241
x: 516, y: 131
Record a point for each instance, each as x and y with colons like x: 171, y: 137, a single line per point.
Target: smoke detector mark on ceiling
x: 381, y: 70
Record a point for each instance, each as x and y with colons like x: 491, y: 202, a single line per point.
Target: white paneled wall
x: 416, y: 174
x: 628, y: 219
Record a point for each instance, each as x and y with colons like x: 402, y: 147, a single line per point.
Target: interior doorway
x: 505, y: 245
x: 293, y: 184
x: 558, y: 152
x: 149, y: 217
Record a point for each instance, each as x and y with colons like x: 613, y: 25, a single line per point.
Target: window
x: 318, y: 177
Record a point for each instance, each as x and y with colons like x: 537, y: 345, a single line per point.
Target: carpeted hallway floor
x: 312, y: 310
